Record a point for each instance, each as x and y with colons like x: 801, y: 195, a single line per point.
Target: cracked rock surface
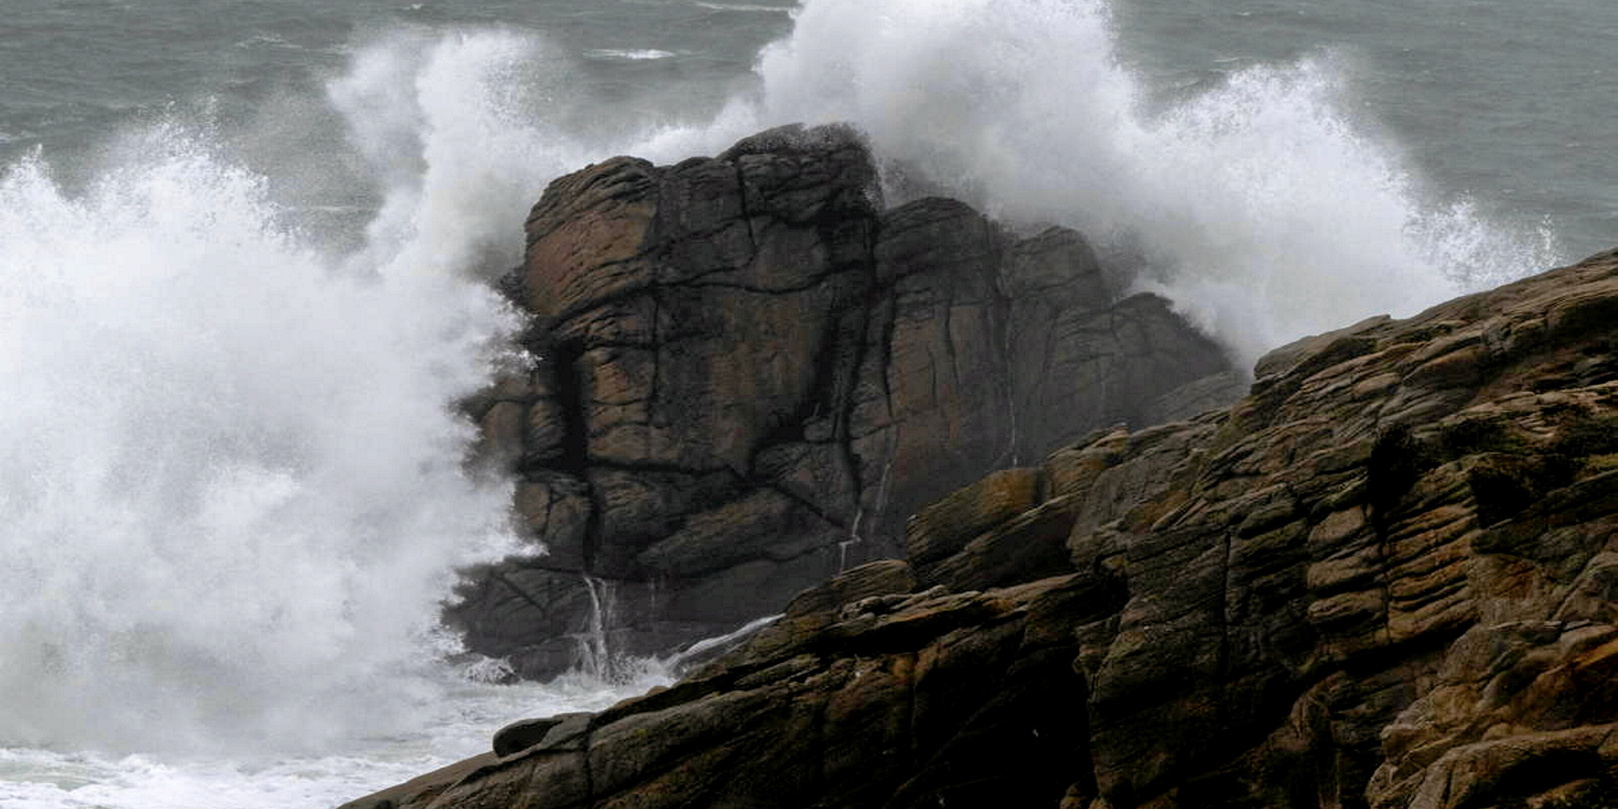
x: 749, y: 373
x: 1386, y: 578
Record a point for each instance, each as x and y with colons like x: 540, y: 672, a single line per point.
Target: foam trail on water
x: 1266, y: 208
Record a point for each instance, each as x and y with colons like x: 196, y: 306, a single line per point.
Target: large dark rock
x: 1386, y: 578
x: 748, y: 374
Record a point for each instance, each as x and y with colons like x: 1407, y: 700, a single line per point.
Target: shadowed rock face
x: 749, y: 373
x: 1386, y: 578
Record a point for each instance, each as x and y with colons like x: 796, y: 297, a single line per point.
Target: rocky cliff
x: 1386, y: 578
x: 749, y: 373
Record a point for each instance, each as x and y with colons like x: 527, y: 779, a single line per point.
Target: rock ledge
x: 1386, y: 578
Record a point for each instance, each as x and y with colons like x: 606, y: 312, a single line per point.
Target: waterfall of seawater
x: 596, y: 658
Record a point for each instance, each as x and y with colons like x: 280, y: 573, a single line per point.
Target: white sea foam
x: 629, y: 55
x: 233, y: 495
x: 457, y: 129
x: 1266, y: 206
x: 456, y: 723
x: 745, y: 7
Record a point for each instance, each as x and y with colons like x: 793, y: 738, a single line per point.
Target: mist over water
x: 232, y: 492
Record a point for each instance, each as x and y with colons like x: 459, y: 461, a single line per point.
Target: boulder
x: 748, y: 374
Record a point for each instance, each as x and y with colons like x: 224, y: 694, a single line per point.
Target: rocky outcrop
x: 1386, y: 578
x: 748, y: 374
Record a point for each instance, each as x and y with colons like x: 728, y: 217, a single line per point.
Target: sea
x: 245, y: 248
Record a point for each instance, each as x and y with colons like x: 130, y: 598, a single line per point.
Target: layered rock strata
x: 1386, y: 578
x: 748, y: 373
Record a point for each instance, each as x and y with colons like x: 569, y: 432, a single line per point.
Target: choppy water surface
x: 243, y: 246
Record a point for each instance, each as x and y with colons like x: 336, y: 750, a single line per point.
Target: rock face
x: 1387, y: 578
x: 749, y: 374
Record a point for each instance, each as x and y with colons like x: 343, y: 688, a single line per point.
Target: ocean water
x: 244, y: 246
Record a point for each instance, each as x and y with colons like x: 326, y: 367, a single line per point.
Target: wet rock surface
x: 749, y: 373
x: 1386, y: 578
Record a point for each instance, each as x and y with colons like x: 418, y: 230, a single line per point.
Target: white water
x: 233, y: 495
x: 1267, y: 206
x: 233, y: 498
x: 456, y: 722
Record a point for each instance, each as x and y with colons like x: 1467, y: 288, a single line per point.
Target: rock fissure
x: 517, y: 590
x: 806, y: 285
x: 810, y: 505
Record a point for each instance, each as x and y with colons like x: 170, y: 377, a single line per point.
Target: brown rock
x: 585, y: 239
x: 1290, y: 603
x: 943, y: 528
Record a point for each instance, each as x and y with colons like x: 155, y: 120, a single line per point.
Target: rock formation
x: 1386, y: 578
x: 748, y: 374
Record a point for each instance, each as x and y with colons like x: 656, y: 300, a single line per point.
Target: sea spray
x: 233, y: 494
x: 462, y: 132
x: 237, y: 497
x: 1265, y: 206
